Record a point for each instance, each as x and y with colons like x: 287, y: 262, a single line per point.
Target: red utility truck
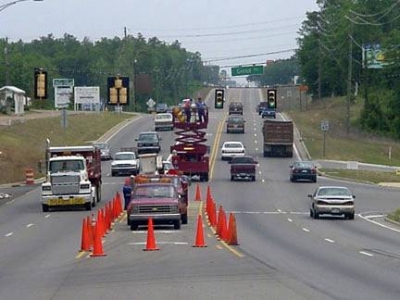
x: 189, y: 154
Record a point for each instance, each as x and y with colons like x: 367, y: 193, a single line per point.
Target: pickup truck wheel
x: 134, y: 226
x: 113, y: 173
x: 311, y: 213
x: 45, y: 207
x: 98, y: 193
x: 184, y: 218
x: 232, y: 178
x: 315, y: 215
x: 350, y: 216
x: 177, y: 225
x: 88, y: 206
x: 253, y: 178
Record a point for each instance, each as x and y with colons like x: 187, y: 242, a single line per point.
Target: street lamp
x: 4, y: 6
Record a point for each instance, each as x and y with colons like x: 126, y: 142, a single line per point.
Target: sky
x: 227, y: 33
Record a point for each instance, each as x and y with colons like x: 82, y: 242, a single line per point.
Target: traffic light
x: 219, y: 98
x: 118, y: 90
x: 40, y: 85
x: 271, y: 98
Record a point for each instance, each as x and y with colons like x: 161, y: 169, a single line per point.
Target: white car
x: 125, y: 163
x: 232, y: 149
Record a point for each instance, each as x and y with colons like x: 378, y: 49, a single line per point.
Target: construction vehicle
x: 73, y: 177
x: 278, y: 138
x: 189, y: 154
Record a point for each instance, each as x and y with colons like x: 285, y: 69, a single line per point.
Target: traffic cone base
x: 151, y: 240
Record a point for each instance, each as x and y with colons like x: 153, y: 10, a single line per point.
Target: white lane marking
x: 47, y: 216
x: 305, y: 229
x: 366, y: 253
x: 160, y: 243
x: 255, y: 135
x: 9, y: 234
x: 263, y: 180
x: 255, y: 142
x: 329, y: 240
x: 290, y: 220
x: 377, y: 223
x: 30, y: 225
x: 279, y: 210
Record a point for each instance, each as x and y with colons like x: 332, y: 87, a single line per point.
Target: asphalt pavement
x: 13, y: 190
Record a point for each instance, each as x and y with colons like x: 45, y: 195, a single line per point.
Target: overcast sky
x: 225, y: 32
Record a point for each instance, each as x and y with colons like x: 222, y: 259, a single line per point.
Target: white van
x: 163, y: 121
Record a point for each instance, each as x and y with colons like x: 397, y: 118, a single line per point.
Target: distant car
x: 232, y: 149
x: 268, y: 113
x: 148, y: 142
x: 105, y: 152
x: 161, y: 107
x: 125, y: 163
x: 236, y: 108
x: 332, y: 200
x: 235, y: 123
x: 303, y: 170
x: 163, y: 121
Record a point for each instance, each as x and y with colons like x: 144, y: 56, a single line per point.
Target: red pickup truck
x: 243, y: 167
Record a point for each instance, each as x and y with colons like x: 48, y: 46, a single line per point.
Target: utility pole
x: 349, y: 76
x: 7, y: 63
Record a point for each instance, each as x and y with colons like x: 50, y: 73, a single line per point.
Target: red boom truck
x: 189, y: 154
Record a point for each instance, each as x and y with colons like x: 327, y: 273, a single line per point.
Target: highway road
x: 282, y: 252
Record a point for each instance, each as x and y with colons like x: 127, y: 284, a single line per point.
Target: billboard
x: 373, y: 56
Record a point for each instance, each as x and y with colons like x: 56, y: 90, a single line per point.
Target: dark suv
x: 148, y: 142
x: 236, y: 108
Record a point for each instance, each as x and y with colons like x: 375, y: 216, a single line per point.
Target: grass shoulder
x: 22, y: 145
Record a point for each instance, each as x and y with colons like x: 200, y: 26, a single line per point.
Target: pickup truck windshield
x: 154, y: 192
x: 125, y: 156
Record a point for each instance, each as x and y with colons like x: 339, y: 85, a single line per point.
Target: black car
x: 148, y: 142
x: 303, y: 170
x: 161, y: 107
x: 236, y: 108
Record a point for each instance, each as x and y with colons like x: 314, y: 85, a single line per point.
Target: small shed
x: 12, y: 97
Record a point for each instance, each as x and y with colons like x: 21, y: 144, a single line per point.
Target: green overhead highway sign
x: 248, y: 70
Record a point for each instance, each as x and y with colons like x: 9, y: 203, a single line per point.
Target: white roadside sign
x: 62, y: 96
x: 87, y: 94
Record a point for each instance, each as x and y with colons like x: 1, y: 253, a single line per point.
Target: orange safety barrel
x: 29, y: 177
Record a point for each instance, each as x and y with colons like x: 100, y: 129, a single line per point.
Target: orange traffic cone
x: 151, y: 240
x: 199, y: 242
x: 219, y: 221
x: 213, y: 215
x: 224, y: 228
x: 208, y: 197
x: 197, y: 196
x: 85, y: 240
x: 97, y: 245
x: 232, y: 233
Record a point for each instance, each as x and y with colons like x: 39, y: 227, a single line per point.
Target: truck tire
x: 177, y: 225
x: 253, y: 178
x: 88, y: 205
x: 184, y: 218
x: 45, y: 207
x: 98, y: 193
x: 134, y: 226
x: 232, y: 178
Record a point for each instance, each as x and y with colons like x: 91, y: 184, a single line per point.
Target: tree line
x: 172, y: 72
x: 351, y: 47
